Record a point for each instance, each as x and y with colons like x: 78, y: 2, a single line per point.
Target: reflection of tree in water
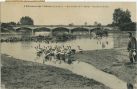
x: 26, y: 44
x: 103, y: 45
x: 103, y: 42
x: 121, y: 39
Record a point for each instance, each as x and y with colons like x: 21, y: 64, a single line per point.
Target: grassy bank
x: 19, y: 74
x: 113, y: 61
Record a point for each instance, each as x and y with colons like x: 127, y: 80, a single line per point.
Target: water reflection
x: 26, y: 50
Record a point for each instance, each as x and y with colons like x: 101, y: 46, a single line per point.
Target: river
x: 27, y: 51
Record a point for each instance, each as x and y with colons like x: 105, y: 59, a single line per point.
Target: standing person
x: 132, y: 46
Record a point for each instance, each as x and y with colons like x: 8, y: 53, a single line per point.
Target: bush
x: 128, y: 27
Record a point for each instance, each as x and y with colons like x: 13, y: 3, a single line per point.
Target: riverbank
x: 113, y: 61
x: 19, y: 74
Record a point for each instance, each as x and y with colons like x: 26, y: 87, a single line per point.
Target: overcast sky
x: 88, y: 12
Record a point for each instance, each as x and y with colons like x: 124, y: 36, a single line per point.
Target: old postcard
x: 68, y: 45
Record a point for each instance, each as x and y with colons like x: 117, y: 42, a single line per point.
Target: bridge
x: 59, y: 28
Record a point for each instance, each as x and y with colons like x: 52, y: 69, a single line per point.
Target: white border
x: 85, y: 0
x: 2, y: 0
x: 90, y: 0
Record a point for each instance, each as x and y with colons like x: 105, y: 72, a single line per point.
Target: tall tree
x: 127, y: 16
x: 121, y: 17
x: 26, y: 21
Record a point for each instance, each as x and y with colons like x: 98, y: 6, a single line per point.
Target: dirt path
x: 89, y: 71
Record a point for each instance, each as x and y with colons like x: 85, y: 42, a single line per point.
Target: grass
x: 113, y: 61
x: 19, y: 74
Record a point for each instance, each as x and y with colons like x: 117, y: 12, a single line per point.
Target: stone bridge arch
x: 24, y: 30
x: 80, y: 30
x: 60, y: 30
x: 95, y: 29
x: 42, y: 29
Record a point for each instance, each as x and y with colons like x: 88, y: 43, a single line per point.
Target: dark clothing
x: 132, y: 43
x: 131, y: 46
x: 129, y: 86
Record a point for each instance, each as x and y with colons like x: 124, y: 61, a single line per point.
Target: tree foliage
x: 26, y: 21
x: 128, y: 26
x: 120, y: 17
x: 97, y: 24
x: 7, y: 26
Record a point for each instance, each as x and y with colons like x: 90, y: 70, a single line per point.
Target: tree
x: 71, y: 24
x: 12, y: 23
x: 127, y: 17
x: 9, y: 24
x: 18, y: 23
x: 128, y: 26
x: 4, y: 25
x: 97, y: 24
x: 26, y: 21
x: 121, y: 17
x: 85, y: 23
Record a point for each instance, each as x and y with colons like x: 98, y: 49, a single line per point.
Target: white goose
x: 80, y: 50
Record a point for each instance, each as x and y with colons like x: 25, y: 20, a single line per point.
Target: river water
x: 27, y: 51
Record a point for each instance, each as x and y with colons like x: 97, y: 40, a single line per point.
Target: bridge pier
x: 51, y: 32
x: 32, y: 32
x: 70, y: 31
x: 89, y: 32
x: 15, y: 30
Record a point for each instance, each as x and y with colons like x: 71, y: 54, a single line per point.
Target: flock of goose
x: 57, y: 53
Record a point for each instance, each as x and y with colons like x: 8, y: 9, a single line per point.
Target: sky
x: 64, y: 13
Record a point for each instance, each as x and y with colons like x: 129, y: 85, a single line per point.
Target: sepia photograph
x: 68, y: 45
